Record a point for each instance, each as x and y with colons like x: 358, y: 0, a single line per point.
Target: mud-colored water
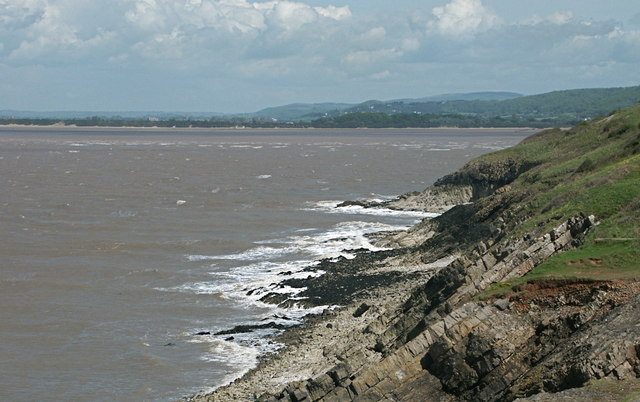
x: 118, y: 246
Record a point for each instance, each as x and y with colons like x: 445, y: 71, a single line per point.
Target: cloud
x: 382, y: 75
x: 47, y: 32
x: 285, y: 45
x: 463, y: 18
x: 337, y: 13
x: 40, y: 29
x: 15, y: 15
x: 231, y: 16
x: 557, y: 18
x: 366, y: 60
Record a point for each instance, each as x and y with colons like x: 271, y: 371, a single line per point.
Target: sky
x: 234, y: 56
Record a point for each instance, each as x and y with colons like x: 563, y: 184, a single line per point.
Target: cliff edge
x: 525, y: 288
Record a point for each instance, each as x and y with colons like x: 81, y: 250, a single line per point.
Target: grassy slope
x: 568, y: 105
x: 593, y: 169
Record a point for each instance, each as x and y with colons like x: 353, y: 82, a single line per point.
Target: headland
x: 524, y: 288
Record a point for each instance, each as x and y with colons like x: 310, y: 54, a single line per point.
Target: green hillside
x: 592, y: 169
x: 300, y: 111
x: 551, y: 109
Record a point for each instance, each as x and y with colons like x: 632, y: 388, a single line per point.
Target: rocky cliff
x: 526, y: 286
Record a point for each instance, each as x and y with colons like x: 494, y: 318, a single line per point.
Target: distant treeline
x: 349, y: 120
x: 119, y: 122
x: 407, y: 120
x: 578, y: 104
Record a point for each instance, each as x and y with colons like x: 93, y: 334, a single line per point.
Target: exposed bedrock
x: 442, y: 345
x: 477, y: 179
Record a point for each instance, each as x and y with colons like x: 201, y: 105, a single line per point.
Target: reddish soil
x: 553, y: 294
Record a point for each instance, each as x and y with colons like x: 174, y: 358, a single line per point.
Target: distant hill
x: 464, y: 97
x: 577, y: 104
x: 568, y: 106
x: 477, y: 109
x: 299, y: 111
x: 312, y: 111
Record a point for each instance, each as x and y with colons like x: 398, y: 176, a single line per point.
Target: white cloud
x: 557, y: 18
x: 337, y: 13
x: 367, y: 59
x: 41, y: 29
x: 233, y: 16
x: 382, y: 75
x: 463, y: 18
x: 560, y: 18
x: 229, y: 27
x: 147, y: 14
x: 374, y: 35
x: 288, y: 16
x: 410, y: 44
x: 49, y: 34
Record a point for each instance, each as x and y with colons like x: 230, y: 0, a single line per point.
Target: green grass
x: 622, y: 390
x: 499, y: 290
x: 603, y: 260
x: 592, y: 169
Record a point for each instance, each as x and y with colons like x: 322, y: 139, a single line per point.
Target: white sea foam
x: 250, y: 146
x: 248, y: 283
x: 254, y: 254
x: 247, y: 276
x: 264, y: 176
x: 328, y: 244
x: 124, y: 214
x: 332, y: 207
x: 240, y: 358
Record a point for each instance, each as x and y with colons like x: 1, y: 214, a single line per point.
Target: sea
x: 123, y: 251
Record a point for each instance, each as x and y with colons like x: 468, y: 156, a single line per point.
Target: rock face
x: 475, y: 180
x: 440, y: 344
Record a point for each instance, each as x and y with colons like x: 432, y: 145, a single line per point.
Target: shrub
x: 586, y: 166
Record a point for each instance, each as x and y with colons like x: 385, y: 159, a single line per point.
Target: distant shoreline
x: 60, y: 127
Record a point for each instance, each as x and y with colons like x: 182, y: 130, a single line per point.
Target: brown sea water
x: 118, y: 246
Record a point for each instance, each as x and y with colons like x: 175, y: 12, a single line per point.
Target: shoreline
x: 374, y: 341
x: 315, y: 346
x: 381, y: 282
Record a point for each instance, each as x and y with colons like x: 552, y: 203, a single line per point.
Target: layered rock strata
x: 440, y: 342
x: 437, y: 343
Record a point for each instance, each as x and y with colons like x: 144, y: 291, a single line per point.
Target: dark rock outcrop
x: 440, y: 344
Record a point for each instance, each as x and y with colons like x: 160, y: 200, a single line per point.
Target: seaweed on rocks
x: 242, y: 329
x: 343, y: 281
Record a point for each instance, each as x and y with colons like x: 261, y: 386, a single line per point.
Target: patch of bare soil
x: 553, y: 294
